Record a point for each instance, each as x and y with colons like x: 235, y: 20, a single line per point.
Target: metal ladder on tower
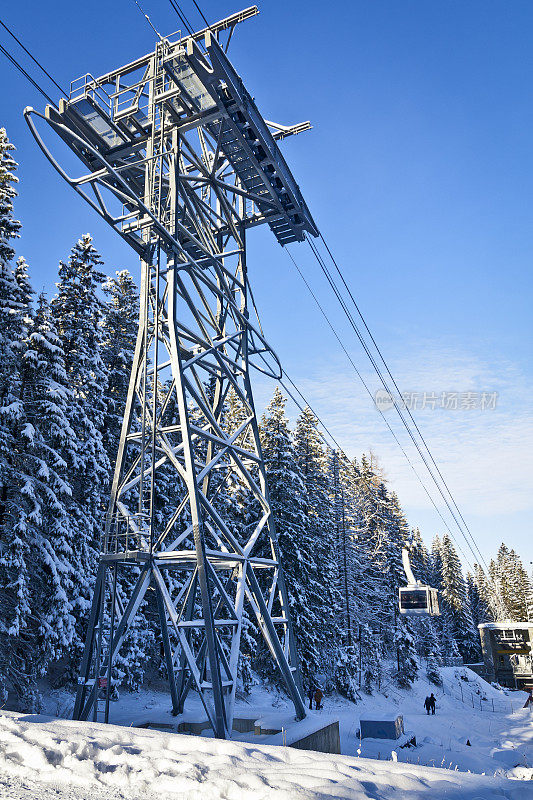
x: 98, y: 677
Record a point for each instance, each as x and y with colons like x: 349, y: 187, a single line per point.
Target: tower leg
x: 85, y: 668
x: 87, y: 698
x: 176, y: 709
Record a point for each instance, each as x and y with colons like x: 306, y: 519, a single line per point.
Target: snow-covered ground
x: 39, y: 755
x: 498, y: 741
x: 64, y: 759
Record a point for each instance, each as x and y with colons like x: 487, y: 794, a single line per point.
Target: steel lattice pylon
x: 181, y: 164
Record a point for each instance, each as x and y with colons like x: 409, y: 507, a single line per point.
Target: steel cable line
x: 413, y: 420
x: 385, y: 386
x: 181, y: 14
x: 201, y: 13
x: 315, y: 298
x: 26, y: 75
x: 33, y: 58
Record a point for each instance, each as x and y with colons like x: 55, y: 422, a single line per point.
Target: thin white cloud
x: 486, y: 456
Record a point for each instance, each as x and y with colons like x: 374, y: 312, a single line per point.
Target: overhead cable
x: 201, y: 13
x: 399, y: 394
x: 181, y: 14
x: 358, y: 373
x: 148, y: 20
x: 396, y: 405
x: 56, y: 84
x: 21, y: 69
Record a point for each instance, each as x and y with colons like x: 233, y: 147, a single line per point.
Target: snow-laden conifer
x: 322, y: 587
x: 288, y: 503
x: 47, y: 447
x: 478, y: 596
x: 78, y: 310
x: 15, y: 567
x: 343, y: 477
x: 458, y: 622
x: 119, y: 328
x: 510, y: 586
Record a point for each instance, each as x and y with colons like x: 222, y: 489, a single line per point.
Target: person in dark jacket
x: 432, y: 702
x: 311, y: 695
x: 318, y: 699
x: 427, y: 705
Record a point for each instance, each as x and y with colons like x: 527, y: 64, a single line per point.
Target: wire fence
x: 479, y: 701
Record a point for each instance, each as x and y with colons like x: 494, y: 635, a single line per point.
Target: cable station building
x: 508, y: 653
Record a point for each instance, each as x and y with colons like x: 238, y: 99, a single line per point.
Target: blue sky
x: 419, y: 172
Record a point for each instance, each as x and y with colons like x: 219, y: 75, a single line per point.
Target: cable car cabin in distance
x: 416, y: 600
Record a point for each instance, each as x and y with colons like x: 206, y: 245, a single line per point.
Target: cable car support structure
x: 181, y: 164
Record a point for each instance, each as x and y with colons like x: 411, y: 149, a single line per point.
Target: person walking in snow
x: 432, y: 703
x: 318, y: 699
x: 310, y: 695
x: 427, y: 705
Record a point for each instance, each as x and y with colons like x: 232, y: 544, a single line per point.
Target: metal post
x: 114, y: 570
x: 168, y: 652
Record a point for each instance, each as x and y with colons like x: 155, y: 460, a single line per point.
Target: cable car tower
x: 415, y: 599
x: 180, y: 162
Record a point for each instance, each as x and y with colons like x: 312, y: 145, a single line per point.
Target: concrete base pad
x: 314, y: 732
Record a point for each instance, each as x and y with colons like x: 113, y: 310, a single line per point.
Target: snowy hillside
x: 84, y: 759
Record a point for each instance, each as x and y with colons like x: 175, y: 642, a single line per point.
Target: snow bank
x: 143, y: 763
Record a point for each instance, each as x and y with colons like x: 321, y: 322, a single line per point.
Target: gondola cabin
x: 416, y: 600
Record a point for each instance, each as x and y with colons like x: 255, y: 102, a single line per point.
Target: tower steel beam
x: 179, y: 161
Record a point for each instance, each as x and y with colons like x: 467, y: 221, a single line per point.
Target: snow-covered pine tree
x: 120, y: 323
x: 374, y: 626
x: 404, y: 642
x: 15, y: 567
x: 371, y: 538
x: 510, y: 584
x: 457, y: 612
x: 343, y: 477
x: 12, y: 314
x: 519, y: 587
x: 322, y: 588
x: 442, y: 624
x: 420, y: 558
x: 478, y: 596
x: 46, y: 445
x: 432, y: 670
x: 435, y: 562
x: 288, y: 503
x: 78, y: 311
x: 36, y: 565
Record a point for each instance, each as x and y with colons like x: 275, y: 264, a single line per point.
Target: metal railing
x: 125, y: 534
x: 478, y: 701
x: 87, y: 86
